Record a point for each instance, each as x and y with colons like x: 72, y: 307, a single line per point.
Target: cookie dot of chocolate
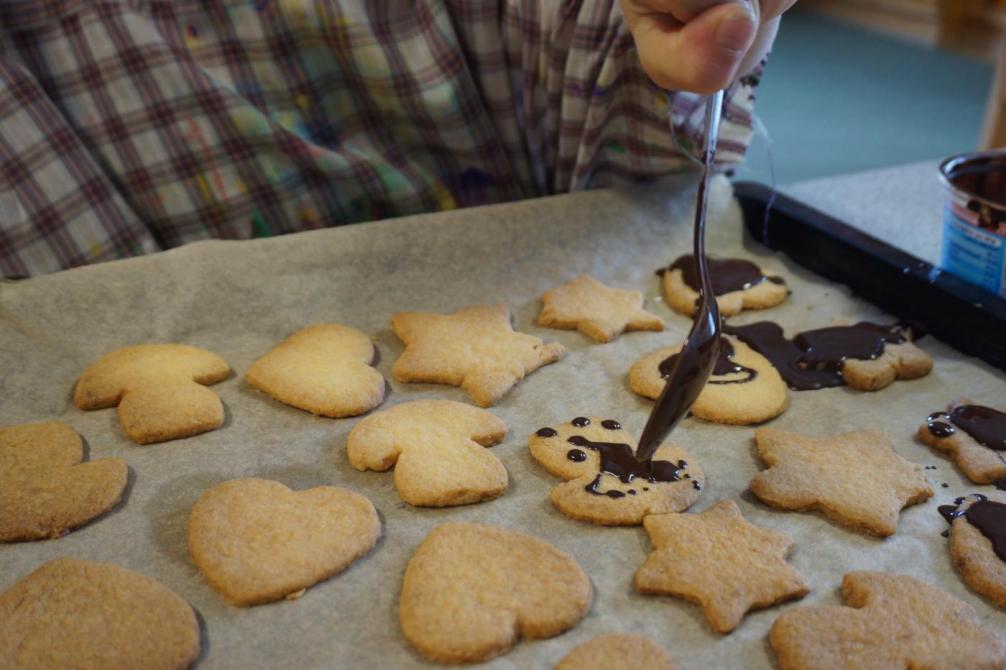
x: 581, y: 422
x: 576, y: 455
x: 546, y: 432
x: 611, y: 424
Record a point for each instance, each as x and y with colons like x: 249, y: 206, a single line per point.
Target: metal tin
x: 974, y: 226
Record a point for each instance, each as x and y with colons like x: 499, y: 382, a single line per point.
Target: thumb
x: 701, y: 56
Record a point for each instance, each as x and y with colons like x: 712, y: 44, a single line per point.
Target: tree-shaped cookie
x: 45, y: 489
x: 738, y: 284
x: 598, y: 311
x: 438, y: 450
x: 856, y: 479
x: 256, y: 541
x: 475, y: 348
x: 605, y: 483
x: 618, y: 650
x: 973, y: 435
x: 159, y: 389
x: 471, y: 590
x: 720, y: 561
x: 323, y: 369
x: 744, y: 387
x: 978, y: 542
x: 71, y: 613
x: 888, y: 621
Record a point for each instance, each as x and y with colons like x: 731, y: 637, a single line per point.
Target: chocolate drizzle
x: 618, y: 460
x: 724, y: 366
x: 813, y: 359
x: 937, y: 427
x: 581, y: 422
x: 547, y: 432
x: 611, y: 424
x: 727, y: 274
x: 988, y: 516
x: 986, y: 425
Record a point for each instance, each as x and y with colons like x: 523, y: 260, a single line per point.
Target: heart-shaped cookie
x: 257, y: 541
x: 438, y: 450
x: 95, y: 616
x: 45, y: 490
x: 471, y: 590
x: 323, y: 369
x: 159, y: 389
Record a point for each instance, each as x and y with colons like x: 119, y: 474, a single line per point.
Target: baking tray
x: 965, y: 316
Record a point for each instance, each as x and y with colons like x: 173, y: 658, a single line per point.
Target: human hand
x: 702, y: 45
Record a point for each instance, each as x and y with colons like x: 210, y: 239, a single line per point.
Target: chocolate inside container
x: 978, y: 182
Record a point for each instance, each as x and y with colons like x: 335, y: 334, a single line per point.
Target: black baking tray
x: 965, y: 316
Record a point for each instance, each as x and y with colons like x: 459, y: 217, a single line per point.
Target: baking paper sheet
x: 240, y: 298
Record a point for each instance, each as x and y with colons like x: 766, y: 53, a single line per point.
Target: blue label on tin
x: 973, y: 254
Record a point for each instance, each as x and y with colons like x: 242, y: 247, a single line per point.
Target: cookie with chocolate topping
x: 605, y: 484
x: 973, y: 435
x: 738, y: 284
x: 744, y: 387
x: 978, y: 542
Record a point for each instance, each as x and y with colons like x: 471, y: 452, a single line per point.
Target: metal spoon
x: 697, y: 358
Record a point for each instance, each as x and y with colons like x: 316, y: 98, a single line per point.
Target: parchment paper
x: 240, y: 298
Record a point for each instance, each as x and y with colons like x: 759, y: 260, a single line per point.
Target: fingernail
x: 736, y: 30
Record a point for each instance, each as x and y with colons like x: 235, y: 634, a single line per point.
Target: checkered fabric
x: 130, y: 126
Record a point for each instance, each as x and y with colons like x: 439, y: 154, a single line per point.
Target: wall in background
x: 837, y: 99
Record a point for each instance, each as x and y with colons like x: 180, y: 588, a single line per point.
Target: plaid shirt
x: 130, y: 126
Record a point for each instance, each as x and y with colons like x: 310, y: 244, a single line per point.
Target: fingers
x: 703, y: 55
x: 760, y: 48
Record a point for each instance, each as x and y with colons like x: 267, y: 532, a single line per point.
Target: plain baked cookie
x: 720, y: 561
x: 978, y: 543
x: 95, y: 616
x: 438, y: 450
x: 256, y: 541
x: 856, y: 479
x: 618, y: 650
x: 45, y: 489
x: 605, y: 483
x: 738, y: 285
x: 159, y: 389
x: 475, y: 348
x: 596, y: 310
x: 973, y: 435
x: 324, y: 369
x: 888, y: 621
x: 743, y: 389
x: 471, y: 590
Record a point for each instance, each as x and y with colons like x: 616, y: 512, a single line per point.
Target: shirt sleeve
x: 129, y: 127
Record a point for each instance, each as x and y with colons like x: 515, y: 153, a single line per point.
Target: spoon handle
x: 698, y: 355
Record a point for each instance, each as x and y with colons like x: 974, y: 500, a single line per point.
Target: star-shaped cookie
x: 856, y: 479
x: 474, y: 348
x: 720, y: 561
x: 596, y: 310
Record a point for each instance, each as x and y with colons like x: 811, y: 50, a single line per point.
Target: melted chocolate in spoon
x: 724, y: 366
